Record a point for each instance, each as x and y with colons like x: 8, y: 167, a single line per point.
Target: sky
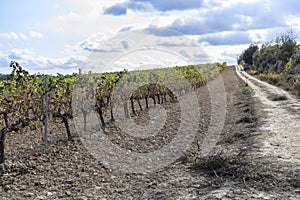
x: 59, y: 36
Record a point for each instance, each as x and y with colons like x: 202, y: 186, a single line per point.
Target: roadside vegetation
x: 276, y: 62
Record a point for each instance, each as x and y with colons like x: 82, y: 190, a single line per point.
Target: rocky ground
x: 238, y: 167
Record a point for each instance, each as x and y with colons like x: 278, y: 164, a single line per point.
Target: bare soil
x: 248, y: 161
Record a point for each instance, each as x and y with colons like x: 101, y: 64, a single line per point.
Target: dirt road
x: 281, y: 121
x: 278, y: 140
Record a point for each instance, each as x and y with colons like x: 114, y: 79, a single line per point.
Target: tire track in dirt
x: 280, y: 130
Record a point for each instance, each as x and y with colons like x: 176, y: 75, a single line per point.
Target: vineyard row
x: 21, y: 96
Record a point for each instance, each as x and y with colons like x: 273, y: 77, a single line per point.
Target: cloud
x: 225, y: 53
x: 190, y: 26
x: 203, y: 25
x: 161, y: 32
x: 98, y: 43
x: 283, y: 7
x: 151, y: 5
x: 258, y: 36
x: 105, y: 47
x: 211, y: 22
x: 168, y: 5
x: 18, y: 54
x: 239, y: 16
x: 225, y: 38
x: 138, y: 61
x: 140, y: 43
x: 23, y: 36
x: 92, y: 42
x: 35, y: 34
x: 125, y: 44
x: 28, y: 59
x: 13, y: 56
x: 68, y: 16
x: 125, y: 28
x: 202, y: 56
x: 176, y: 41
x: 117, y: 10
x: 184, y: 53
x: 13, y: 35
x: 239, y: 37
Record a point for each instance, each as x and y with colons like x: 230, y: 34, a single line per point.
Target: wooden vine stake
x: 45, y: 111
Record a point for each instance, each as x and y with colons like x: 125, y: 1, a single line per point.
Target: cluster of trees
x: 273, y: 56
x: 278, y: 57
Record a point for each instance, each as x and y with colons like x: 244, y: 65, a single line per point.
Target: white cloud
x: 244, y: 21
x: 68, y: 16
x: 35, y: 34
x: 28, y: 59
x: 23, y: 52
x: 126, y: 28
x: 16, y: 36
x: 228, y: 3
x: 146, y: 60
x: 225, y: 38
x: 23, y: 36
x: 11, y: 35
x: 292, y: 21
x: 77, y: 28
x: 92, y: 42
x: 258, y: 36
x: 227, y: 53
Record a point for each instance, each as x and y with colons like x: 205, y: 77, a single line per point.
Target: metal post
x: 45, y: 111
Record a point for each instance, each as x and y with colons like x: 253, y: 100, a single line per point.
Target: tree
x: 247, y: 55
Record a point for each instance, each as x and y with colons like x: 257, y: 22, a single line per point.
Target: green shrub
x: 271, y: 78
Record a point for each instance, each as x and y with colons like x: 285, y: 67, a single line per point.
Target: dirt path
x: 276, y: 148
x: 281, y: 124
